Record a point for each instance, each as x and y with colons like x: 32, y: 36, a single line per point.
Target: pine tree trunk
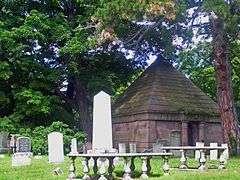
x: 82, y: 107
x: 224, y: 83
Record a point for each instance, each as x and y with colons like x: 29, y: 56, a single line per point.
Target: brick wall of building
x: 146, y: 132
x: 213, y: 133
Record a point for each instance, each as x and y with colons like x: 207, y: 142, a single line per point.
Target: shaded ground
x: 41, y: 169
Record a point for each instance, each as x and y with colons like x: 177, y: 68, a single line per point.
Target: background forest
x: 55, y: 55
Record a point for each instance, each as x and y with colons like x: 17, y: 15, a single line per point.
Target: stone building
x: 164, y: 105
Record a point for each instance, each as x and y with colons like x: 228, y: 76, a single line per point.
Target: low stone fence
x: 202, y: 157
x: 129, y: 166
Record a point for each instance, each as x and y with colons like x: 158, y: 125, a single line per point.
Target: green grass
x: 41, y: 169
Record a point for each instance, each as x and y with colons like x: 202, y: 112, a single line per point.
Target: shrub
x: 39, y: 136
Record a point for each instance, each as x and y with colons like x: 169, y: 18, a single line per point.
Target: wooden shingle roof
x: 161, y: 88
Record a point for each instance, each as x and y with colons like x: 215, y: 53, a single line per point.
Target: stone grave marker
x: 23, y: 144
x: 55, y: 147
x: 132, y: 148
x: 4, y: 142
x: 122, y: 148
x: 197, y: 152
x: 23, y: 154
x: 157, y: 147
x: 213, y: 153
x: 102, y: 124
x: 225, y: 152
x: 74, y: 146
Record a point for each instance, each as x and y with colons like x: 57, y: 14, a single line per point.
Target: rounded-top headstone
x: 55, y: 147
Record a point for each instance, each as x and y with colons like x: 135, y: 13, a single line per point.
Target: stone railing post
x: 202, y: 161
x: 102, y: 169
x: 95, y: 166
x: 144, y: 168
x: 132, y: 166
x: 222, y: 160
x: 127, y: 169
x: 183, y: 160
x: 149, y: 168
x: 86, y: 169
x: 72, y: 169
x: 110, y: 167
x: 166, y: 167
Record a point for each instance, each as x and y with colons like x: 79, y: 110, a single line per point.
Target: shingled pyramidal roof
x: 161, y: 88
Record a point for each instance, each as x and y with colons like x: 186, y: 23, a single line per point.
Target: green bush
x: 39, y: 136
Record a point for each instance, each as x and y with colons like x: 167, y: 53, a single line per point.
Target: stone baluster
x: 222, y: 160
x: 85, y: 169
x: 166, y: 167
x: 149, y: 168
x: 132, y: 166
x: 127, y: 169
x: 144, y: 168
x: 72, y: 169
x: 183, y: 160
x: 110, y: 167
x: 95, y: 166
x: 102, y: 169
x: 202, y: 161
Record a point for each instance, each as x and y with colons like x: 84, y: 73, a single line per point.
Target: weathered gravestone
x: 225, y: 152
x: 23, y: 154
x: 74, y: 146
x: 197, y: 152
x: 4, y: 142
x: 157, y: 147
x: 132, y: 147
x: 23, y: 144
x: 55, y: 147
x: 122, y: 148
x: 213, y: 153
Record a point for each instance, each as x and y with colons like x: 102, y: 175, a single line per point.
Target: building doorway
x: 193, y: 133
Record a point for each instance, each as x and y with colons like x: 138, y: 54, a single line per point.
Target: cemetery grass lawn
x: 41, y: 169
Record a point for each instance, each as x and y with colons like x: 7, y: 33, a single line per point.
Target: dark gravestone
x: 3, y: 142
x: 175, y: 140
x: 23, y: 144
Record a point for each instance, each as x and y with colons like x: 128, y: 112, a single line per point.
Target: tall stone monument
x: 102, y: 123
x: 55, y: 147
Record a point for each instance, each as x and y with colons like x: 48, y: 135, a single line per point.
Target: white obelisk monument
x: 102, y: 123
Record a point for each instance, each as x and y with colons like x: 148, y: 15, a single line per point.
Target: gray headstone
x: 3, y: 142
x: 197, y: 152
x: 122, y: 148
x: 23, y: 144
x: 175, y: 140
x: 157, y: 147
x: 132, y: 147
x: 74, y: 146
x: 225, y: 152
x: 213, y: 153
x: 55, y: 147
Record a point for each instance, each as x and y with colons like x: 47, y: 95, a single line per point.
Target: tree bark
x: 82, y: 106
x: 224, y: 83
